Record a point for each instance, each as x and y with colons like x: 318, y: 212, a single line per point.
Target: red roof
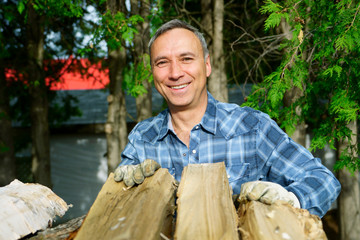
x: 75, y: 74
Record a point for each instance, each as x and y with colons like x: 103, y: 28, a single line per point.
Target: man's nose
x: 176, y: 71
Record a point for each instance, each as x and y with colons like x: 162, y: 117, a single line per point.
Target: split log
x: 60, y: 232
x: 27, y: 208
x: 279, y: 221
x: 205, y: 206
x: 141, y: 212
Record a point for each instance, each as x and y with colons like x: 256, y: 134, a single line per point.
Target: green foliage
x: 3, y: 147
x: 116, y: 29
x: 119, y: 30
x: 136, y: 74
x: 64, y: 8
x: 155, y: 17
x: 276, y: 14
x: 322, y: 61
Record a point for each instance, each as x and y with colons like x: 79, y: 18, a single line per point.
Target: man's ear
x: 208, y: 66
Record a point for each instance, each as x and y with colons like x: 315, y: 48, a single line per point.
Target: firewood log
x: 205, y: 207
x: 141, y: 212
x: 27, y: 208
x: 279, y: 221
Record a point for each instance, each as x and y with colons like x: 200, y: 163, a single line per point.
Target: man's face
x: 179, y: 69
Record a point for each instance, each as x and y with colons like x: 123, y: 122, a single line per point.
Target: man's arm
x: 295, y: 168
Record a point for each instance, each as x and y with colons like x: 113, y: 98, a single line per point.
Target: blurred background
x: 75, y: 78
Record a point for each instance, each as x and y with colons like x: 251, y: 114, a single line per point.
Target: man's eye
x: 187, y: 59
x: 161, y: 63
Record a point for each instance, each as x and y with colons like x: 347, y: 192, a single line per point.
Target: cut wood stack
x: 205, y: 210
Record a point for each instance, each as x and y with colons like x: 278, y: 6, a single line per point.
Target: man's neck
x: 184, y: 120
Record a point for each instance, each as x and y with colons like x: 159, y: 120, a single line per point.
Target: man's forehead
x: 179, y: 40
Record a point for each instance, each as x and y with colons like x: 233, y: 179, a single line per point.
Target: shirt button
x: 197, y: 127
x: 184, y: 154
x: 228, y: 176
x: 194, y: 151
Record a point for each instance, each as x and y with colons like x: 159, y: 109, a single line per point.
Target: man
x: 260, y: 159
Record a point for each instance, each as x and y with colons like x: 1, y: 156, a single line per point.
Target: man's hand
x: 132, y: 174
x: 267, y: 192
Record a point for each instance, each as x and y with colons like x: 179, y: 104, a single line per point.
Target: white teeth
x: 180, y: 86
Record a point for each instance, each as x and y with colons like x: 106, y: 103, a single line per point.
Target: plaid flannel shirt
x: 251, y: 145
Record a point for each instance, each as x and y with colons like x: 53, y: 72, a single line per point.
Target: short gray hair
x: 176, y: 23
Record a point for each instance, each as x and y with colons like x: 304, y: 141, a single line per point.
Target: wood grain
x: 279, y: 221
x: 142, y: 212
x: 205, y: 206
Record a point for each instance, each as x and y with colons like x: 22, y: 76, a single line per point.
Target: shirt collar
x: 208, y: 121
x: 164, y: 128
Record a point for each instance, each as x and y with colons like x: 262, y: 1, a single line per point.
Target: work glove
x: 267, y: 192
x: 135, y: 174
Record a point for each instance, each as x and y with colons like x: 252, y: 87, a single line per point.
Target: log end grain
x: 278, y: 221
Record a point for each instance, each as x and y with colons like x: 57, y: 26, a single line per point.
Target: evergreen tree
x: 321, y: 61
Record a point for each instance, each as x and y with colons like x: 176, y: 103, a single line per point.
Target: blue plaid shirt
x: 252, y: 146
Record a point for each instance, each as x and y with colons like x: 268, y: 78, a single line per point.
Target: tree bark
x: 213, y: 22
x: 217, y: 80
x: 349, y: 201
x: 207, y: 22
x: 40, y: 149
x: 141, y: 40
x: 7, y: 157
x: 116, y: 128
x: 290, y: 97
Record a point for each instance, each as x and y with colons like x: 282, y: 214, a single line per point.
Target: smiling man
x: 262, y: 162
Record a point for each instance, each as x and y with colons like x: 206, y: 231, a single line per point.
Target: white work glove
x: 135, y: 174
x: 267, y: 192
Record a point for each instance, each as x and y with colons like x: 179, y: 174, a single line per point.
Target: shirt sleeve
x: 295, y: 168
x: 128, y: 156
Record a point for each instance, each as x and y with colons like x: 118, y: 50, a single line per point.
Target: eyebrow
x: 181, y: 55
x: 159, y: 58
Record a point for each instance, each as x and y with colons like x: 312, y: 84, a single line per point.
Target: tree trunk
x: 116, y: 128
x: 349, y: 201
x: 290, y: 97
x: 217, y: 82
x: 7, y: 158
x: 38, y: 94
x: 141, y: 40
x: 207, y: 22
x: 212, y: 21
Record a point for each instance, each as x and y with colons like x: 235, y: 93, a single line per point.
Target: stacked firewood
x: 200, y: 207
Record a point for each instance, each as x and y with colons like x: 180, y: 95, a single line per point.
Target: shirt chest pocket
x: 238, y: 173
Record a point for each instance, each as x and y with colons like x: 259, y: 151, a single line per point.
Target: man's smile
x: 180, y: 86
